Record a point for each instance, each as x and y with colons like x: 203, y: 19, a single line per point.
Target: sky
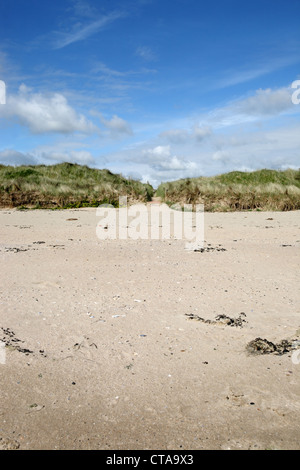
x: 156, y: 90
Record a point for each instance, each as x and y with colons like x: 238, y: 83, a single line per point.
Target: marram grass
x: 267, y: 190
x: 68, y: 185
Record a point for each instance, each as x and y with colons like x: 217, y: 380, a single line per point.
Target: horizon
x: 153, y: 91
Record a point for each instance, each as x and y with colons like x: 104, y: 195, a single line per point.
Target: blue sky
x: 154, y: 89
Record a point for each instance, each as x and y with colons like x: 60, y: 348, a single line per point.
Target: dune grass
x: 66, y: 185
x: 259, y: 190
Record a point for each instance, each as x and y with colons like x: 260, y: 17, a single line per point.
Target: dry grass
x: 69, y: 185
x: 259, y: 190
x: 66, y: 185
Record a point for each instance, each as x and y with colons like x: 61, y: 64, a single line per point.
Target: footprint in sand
x: 237, y: 399
x: 86, y: 349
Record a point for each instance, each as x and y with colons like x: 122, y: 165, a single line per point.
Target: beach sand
x: 105, y: 349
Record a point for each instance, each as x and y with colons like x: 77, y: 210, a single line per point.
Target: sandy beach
x: 128, y: 344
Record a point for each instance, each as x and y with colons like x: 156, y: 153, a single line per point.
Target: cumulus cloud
x: 45, y: 113
x: 157, y: 153
x: 176, y: 164
x: 161, y: 159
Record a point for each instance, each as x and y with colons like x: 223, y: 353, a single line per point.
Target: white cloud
x: 174, y: 163
x: 45, y: 113
x: 262, y: 106
x: 260, y: 131
x: 277, y: 148
x: 116, y: 125
x: 156, y: 153
x: 161, y: 160
x: 80, y: 32
x: 267, y: 102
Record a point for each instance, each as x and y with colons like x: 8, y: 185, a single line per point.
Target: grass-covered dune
x: 258, y: 190
x: 66, y: 185
x: 69, y: 185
